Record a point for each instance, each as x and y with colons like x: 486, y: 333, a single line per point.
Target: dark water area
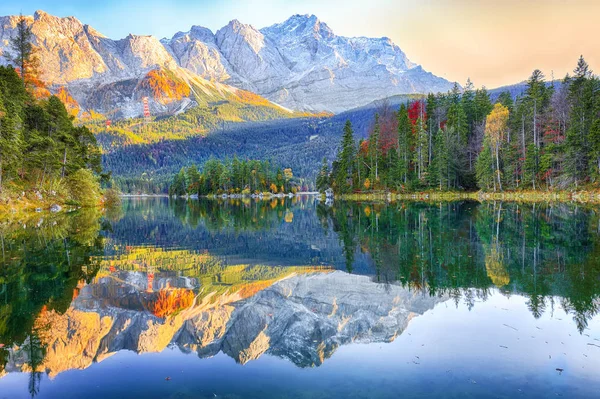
x: 293, y: 298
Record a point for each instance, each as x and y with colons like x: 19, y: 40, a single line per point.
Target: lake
x: 293, y: 298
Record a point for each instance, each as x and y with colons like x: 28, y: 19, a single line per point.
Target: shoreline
x: 592, y: 197
x: 29, y: 207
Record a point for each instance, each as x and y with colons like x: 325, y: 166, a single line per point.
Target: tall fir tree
x: 345, y: 160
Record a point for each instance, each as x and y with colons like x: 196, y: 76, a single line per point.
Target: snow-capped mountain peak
x: 299, y: 63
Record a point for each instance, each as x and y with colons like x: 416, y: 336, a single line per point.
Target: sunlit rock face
x: 300, y: 63
x: 109, y: 76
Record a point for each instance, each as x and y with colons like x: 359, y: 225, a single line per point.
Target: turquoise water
x: 296, y: 299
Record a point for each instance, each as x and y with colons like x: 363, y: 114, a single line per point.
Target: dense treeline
x: 40, y: 148
x: 233, y: 176
x: 547, y: 138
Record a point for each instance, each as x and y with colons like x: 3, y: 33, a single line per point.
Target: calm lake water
x: 291, y: 298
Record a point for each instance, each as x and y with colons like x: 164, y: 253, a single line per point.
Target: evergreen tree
x: 22, y: 53
x: 374, y: 152
x: 345, y: 160
x: 581, y: 95
x: 323, y: 176
x: 11, y: 143
x: 404, y: 145
x: 179, y: 185
x: 485, y: 166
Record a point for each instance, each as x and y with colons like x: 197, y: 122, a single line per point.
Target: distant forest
x: 546, y: 139
x: 234, y: 177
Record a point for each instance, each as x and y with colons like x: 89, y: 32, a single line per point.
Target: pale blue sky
x: 495, y: 42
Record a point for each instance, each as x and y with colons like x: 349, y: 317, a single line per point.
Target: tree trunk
x: 523, y: 143
x: 64, y: 163
x: 498, y: 167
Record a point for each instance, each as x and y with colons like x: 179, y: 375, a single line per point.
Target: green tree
x: 581, y: 96
x: 22, y: 53
x: 374, y: 152
x: 404, y: 145
x: 11, y: 143
x: 345, y: 160
x: 84, y: 187
x: 485, y: 166
x: 179, y: 185
x: 323, y: 176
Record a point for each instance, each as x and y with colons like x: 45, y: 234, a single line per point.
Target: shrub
x: 112, y: 198
x: 84, y: 188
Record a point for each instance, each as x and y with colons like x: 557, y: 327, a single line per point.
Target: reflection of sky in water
x: 497, y: 349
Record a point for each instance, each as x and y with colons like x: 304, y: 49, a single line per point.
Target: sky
x: 492, y: 42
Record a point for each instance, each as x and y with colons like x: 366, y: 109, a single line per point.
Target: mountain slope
x: 112, y: 77
x: 300, y: 64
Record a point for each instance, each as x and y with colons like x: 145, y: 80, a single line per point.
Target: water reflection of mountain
x: 212, y: 276
x: 303, y: 318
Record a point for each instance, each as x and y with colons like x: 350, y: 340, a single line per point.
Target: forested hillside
x: 299, y: 143
x: 41, y: 152
x: 43, y: 156
x: 546, y: 139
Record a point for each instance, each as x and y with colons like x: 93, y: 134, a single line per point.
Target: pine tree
x: 485, y: 166
x: 594, y: 141
x: 22, y: 53
x: 179, y: 185
x: 404, y: 145
x: 581, y: 96
x: 11, y: 140
x: 10, y: 143
x: 432, y: 124
x: 323, y: 176
x: 374, y: 152
x: 345, y: 160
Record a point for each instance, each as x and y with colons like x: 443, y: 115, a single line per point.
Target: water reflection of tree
x: 43, y: 260
x: 463, y: 249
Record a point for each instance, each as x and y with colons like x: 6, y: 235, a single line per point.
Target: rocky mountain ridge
x: 300, y: 63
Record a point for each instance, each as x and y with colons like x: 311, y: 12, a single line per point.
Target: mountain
x: 300, y: 64
x: 113, y: 76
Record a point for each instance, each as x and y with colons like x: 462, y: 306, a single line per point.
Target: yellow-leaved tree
x: 496, y: 125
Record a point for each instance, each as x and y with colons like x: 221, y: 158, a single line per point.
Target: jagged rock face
x: 108, y: 75
x: 300, y: 63
x: 302, y: 318
x: 197, y: 51
x: 252, y: 56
